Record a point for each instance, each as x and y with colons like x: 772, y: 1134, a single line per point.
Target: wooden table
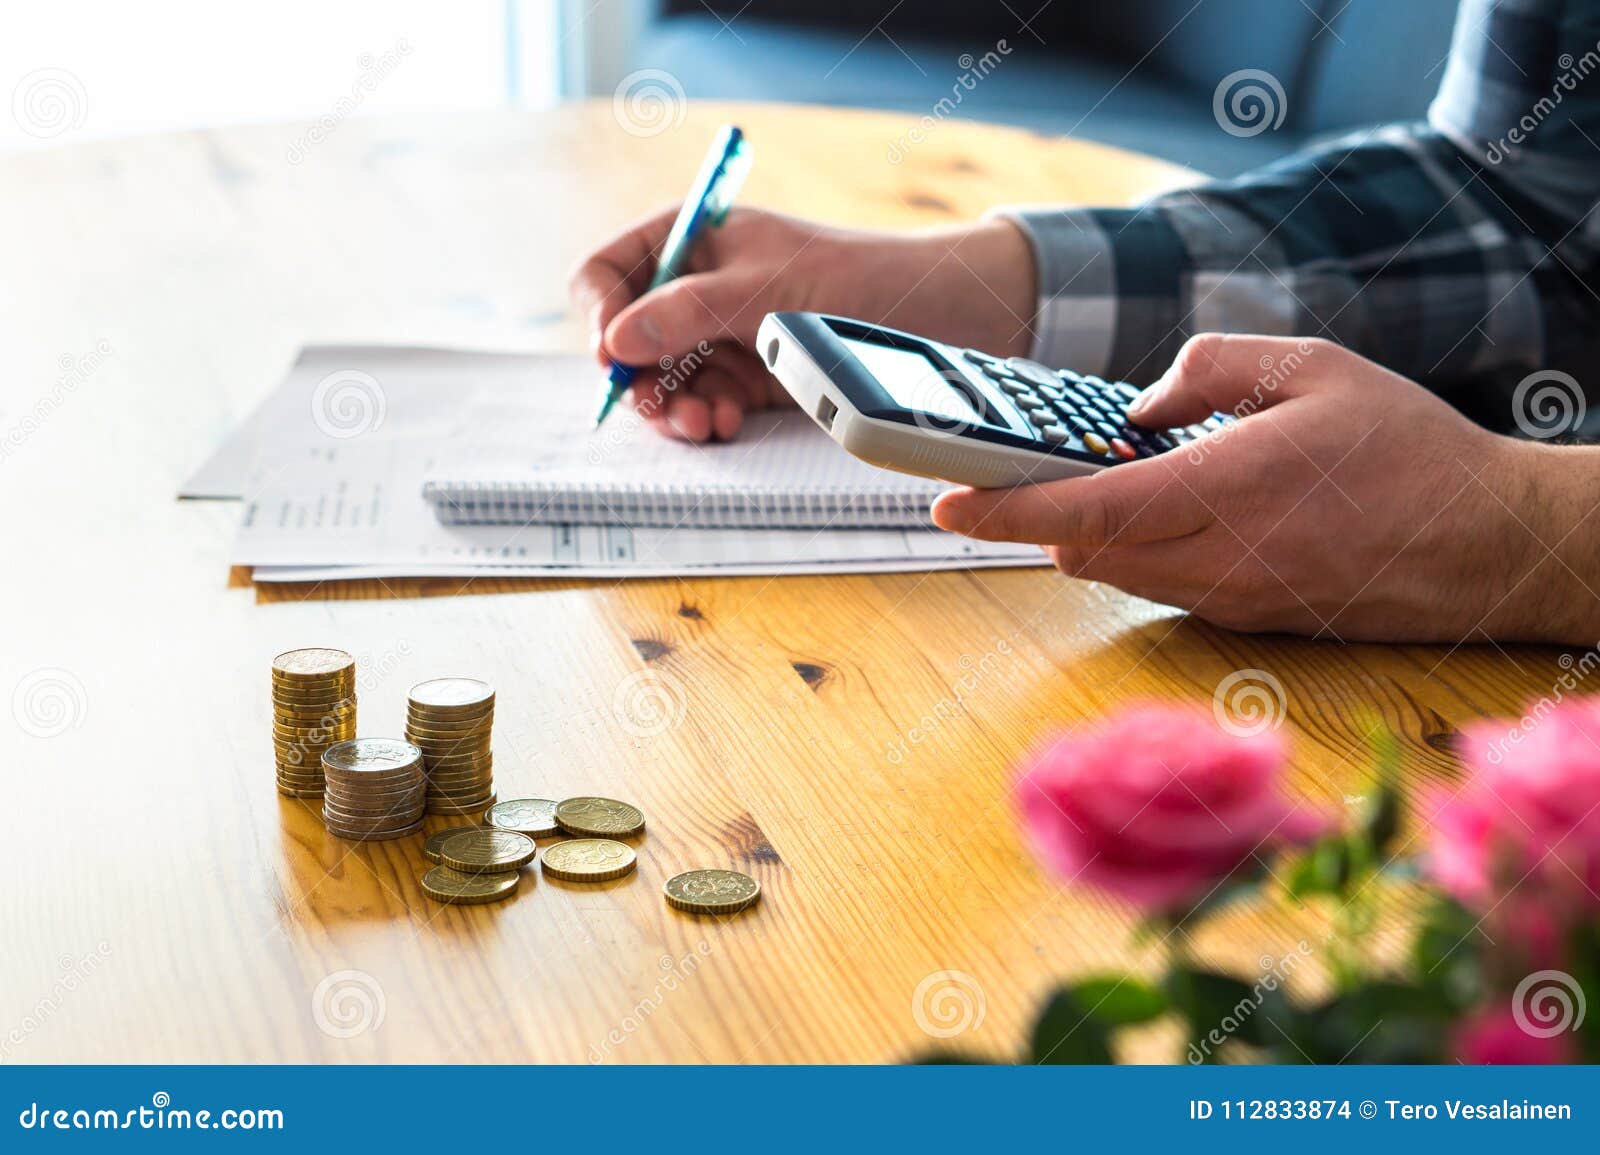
x: 847, y: 740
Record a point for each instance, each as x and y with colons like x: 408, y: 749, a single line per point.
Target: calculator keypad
x: 1084, y: 413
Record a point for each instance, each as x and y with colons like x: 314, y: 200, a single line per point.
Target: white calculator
x: 914, y: 405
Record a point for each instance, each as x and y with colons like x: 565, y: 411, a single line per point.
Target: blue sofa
x: 1143, y: 74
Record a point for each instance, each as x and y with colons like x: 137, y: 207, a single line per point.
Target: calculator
x: 906, y: 403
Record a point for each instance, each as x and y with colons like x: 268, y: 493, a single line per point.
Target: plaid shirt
x: 1461, y: 252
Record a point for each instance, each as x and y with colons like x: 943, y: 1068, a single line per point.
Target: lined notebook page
x: 781, y: 472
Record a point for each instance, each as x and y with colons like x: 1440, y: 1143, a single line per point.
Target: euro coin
x: 711, y: 891
x: 444, y: 697
x: 430, y: 848
x: 588, y: 860
x: 372, y: 755
x: 457, y: 809
x: 535, y: 817
x: 442, y: 884
x: 352, y: 834
x: 590, y: 815
x: 485, y: 848
x: 313, y: 662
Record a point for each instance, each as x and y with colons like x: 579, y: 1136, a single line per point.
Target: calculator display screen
x: 914, y: 381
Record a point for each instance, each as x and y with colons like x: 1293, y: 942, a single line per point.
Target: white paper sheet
x: 331, y: 469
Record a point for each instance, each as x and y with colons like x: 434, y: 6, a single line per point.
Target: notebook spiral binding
x: 671, y: 506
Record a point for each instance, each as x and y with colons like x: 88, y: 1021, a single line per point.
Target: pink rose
x: 1529, y: 815
x: 1157, y: 805
x: 1493, y: 1036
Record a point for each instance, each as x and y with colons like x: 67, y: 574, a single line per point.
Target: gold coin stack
x: 313, y: 706
x: 450, y: 720
x: 375, y: 789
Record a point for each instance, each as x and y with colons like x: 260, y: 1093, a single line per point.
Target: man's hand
x: 972, y: 285
x: 1346, y: 501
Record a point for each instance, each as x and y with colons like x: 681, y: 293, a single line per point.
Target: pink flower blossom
x: 1528, y: 818
x: 1494, y: 1036
x: 1157, y: 805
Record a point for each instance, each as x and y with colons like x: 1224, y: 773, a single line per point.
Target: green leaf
x: 1324, y: 869
x: 1119, y: 1000
x: 1215, y: 1002
x: 1382, y: 1022
x: 1446, y: 956
x: 1066, y: 1033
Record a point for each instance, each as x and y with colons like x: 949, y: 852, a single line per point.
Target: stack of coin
x: 375, y: 789
x: 313, y: 706
x: 450, y: 719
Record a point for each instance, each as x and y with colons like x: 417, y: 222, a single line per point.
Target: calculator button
x: 1073, y: 396
x: 1031, y: 371
x: 1079, y: 424
x: 1096, y: 444
x: 978, y: 358
x: 1014, y: 387
x: 1124, y: 390
x: 1055, y: 433
x: 1211, y: 423
x: 1069, y: 376
x: 1197, y: 431
x: 1042, y: 417
x: 1052, y: 392
x: 1030, y: 402
x: 1122, y: 449
x: 1108, y: 429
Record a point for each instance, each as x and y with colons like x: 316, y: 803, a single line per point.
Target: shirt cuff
x: 1074, y: 325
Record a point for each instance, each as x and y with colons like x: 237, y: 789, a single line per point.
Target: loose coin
x: 588, y: 860
x: 484, y: 848
x: 443, y: 884
x: 711, y: 891
x: 535, y: 817
x: 589, y: 815
x: 430, y: 848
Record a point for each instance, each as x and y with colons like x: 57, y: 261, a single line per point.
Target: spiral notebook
x: 781, y: 473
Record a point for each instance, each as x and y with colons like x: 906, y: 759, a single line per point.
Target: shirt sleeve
x: 1460, y: 252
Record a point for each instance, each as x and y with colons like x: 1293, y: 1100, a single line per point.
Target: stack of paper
x: 331, y: 469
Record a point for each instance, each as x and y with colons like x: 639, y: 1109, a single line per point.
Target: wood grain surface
x: 847, y: 740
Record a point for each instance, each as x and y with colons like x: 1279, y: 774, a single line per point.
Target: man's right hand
x: 971, y: 285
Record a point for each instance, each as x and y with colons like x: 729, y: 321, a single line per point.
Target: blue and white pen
x: 708, y: 203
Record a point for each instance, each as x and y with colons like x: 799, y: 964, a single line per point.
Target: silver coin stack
x: 374, y: 789
x: 450, y: 720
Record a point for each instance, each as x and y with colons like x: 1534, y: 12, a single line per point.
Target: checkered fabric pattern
x: 1461, y: 252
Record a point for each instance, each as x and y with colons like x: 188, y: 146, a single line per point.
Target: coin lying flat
x: 372, y: 755
x: 484, y: 848
x: 451, y: 694
x: 312, y: 662
x: 430, y: 848
x: 589, y: 815
x: 535, y: 817
x: 443, y: 884
x: 711, y: 891
x: 588, y: 860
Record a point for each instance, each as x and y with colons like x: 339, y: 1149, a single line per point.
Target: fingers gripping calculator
x: 914, y: 405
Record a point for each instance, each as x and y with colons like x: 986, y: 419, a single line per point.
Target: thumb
x: 1222, y: 373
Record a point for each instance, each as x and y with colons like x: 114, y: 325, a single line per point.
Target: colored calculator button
x: 1096, y: 444
x: 1122, y: 449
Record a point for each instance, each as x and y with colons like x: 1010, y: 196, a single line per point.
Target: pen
x: 708, y: 202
